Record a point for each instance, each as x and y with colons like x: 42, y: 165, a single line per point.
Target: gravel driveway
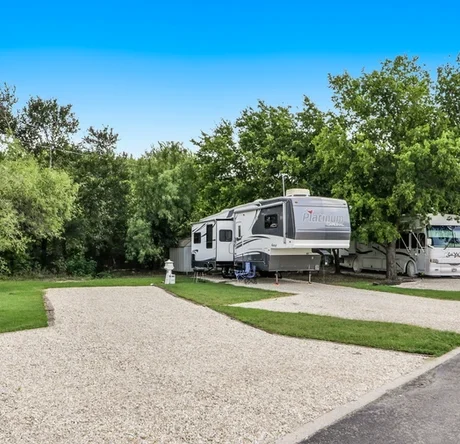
x: 137, y: 365
x: 369, y: 305
x: 446, y: 284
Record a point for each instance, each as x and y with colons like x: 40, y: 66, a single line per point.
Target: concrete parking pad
x: 137, y: 365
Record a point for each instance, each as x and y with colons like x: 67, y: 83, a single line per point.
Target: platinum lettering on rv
x: 330, y: 219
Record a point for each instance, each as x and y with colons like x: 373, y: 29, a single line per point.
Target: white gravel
x: 369, y: 305
x: 137, y: 365
x: 446, y: 284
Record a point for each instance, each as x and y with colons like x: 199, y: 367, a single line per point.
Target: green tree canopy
x: 163, y: 192
x: 447, y: 90
x: 98, y: 230
x: 8, y: 120
x: 46, y: 128
x: 244, y: 161
x: 35, y: 202
x: 388, y: 151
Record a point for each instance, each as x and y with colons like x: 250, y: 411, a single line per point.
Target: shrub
x: 79, y: 266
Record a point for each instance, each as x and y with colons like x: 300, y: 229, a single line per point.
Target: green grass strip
x: 211, y: 294
x: 21, y: 307
x: 383, y: 335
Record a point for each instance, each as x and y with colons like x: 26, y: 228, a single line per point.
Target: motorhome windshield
x: 444, y: 236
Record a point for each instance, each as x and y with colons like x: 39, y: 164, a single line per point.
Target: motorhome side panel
x: 373, y: 256
x: 322, y: 223
x: 249, y: 247
x: 269, y: 242
x: 204, y: 244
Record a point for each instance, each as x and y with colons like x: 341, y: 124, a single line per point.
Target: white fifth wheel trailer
x: 431, y: 248
x: 275, y: 235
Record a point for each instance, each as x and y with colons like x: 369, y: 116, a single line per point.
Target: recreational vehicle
x: 431, y: 248
x: 275, y: 235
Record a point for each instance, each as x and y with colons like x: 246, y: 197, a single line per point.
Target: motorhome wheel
x: 228, y: 273
x: 411, y: 269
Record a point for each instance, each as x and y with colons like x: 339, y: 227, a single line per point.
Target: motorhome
x: 431, y: 248
x: 275, y: 235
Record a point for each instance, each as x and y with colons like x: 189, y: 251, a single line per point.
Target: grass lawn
x: 21, y: 307
x: 433, y: 294
x: 384, y: 335
x: 214, y: 295
x: 21, y: 302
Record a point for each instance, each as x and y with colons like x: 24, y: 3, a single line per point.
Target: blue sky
x: 167, y: 71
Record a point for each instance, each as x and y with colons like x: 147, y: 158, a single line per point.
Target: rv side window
x: 403, y: 242
x: 271, y: 221
x: 414, y: 241
x: 225, y: 235
x: 422, y: 239
x: 239, y: 231
x: 209, y: 236
x: 197, y: 238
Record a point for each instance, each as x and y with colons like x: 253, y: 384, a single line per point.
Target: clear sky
x: 158, y: 71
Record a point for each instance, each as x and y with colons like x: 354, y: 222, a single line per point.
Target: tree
x: 311, y: 121
x: 388, y: 152
x: 11, y: 237
x: 245, y: 161
x: 448, y: 92
x: 8, y: 100
x: 99, y: 229
x: 103, y: 141
x: 45, y: 129
x: 163, y: 192
x: 35, y: 203
x: 220, y: 166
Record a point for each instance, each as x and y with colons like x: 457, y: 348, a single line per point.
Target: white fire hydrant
x: 169, y: 267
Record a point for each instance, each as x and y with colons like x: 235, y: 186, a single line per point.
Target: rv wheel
x: 356, y: 265
x: 227, y: 273
x: 411, y: 269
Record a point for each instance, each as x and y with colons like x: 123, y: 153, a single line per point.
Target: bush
x: 4, y: 269
x: 104, y: 275
x: 59, y: 266
x: 79, y: 266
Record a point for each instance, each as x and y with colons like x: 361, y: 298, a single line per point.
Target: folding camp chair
x: 241, y: 274
x: 248, y: 274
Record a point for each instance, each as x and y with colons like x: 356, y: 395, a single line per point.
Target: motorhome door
x: 224, y: 242
x: 210, y: 241
x: 419, y: 241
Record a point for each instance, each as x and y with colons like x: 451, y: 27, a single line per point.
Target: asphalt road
x: 424, y: 411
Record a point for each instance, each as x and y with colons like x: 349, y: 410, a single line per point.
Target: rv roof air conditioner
x: 297, y: 192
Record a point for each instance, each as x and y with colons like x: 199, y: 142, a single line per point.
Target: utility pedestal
x: 169, y: 267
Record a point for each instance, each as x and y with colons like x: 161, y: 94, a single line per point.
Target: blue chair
x: 248, y: 274
x: 241, y: 274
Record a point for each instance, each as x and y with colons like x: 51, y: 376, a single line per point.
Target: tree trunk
x: 392, y: 275
x: 335, y: 251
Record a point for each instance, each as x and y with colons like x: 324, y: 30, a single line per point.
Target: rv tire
x: 411, y: 269
x: 228, y: 273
